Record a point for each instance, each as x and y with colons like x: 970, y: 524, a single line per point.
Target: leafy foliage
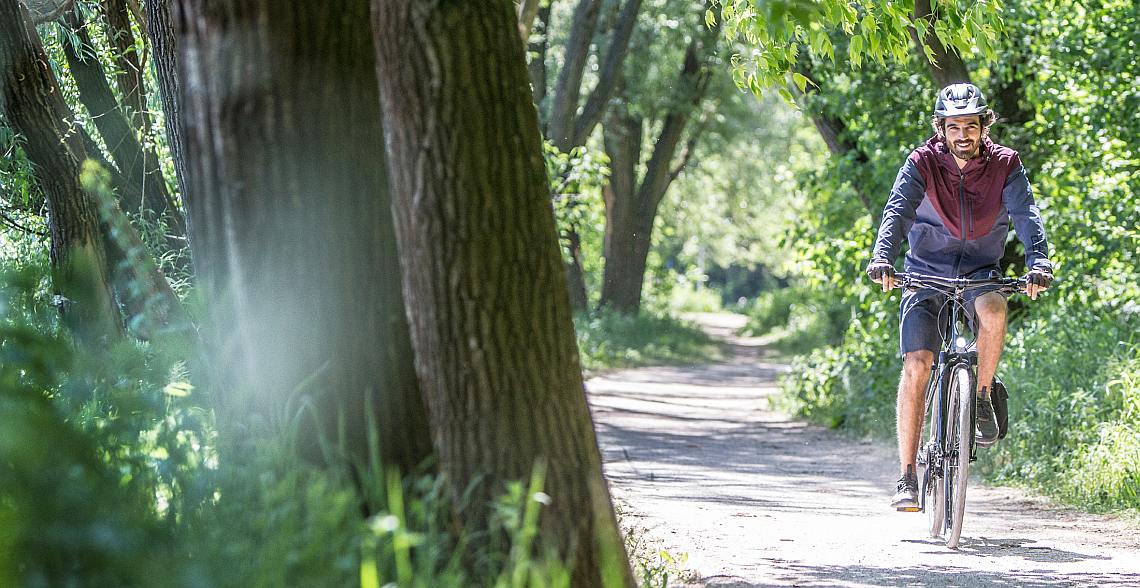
x: 576, y: 180
x: 779, y: 33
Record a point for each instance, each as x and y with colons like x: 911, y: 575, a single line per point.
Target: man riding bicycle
x: 953, y: 198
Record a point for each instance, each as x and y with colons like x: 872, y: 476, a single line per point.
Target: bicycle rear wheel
x: 960, y: 434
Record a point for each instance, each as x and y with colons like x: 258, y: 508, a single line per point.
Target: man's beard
x: 964, y: 154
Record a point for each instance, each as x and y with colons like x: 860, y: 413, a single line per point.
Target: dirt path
x: 756, y: 498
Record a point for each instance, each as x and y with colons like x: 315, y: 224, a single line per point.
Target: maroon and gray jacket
x: 956, y: 221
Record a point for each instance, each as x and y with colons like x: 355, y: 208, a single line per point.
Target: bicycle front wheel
x: 933, y: 492
x: 960, y: 436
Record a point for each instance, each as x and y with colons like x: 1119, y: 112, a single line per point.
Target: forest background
x: 162, y: 420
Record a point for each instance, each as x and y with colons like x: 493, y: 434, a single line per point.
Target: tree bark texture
x: 33, y: 104
x: 164, y: 51
x: 138, y: 165
x: 947, y: 66
x: 634, y: 204
x: 293, y: 238
x: 486, y: 290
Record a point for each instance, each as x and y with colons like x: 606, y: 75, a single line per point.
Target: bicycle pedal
x: 908, y: 509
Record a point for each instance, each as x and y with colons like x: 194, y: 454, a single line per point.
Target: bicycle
x: 951, y: 404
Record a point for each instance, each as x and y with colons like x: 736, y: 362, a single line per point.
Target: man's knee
x: 916, y: 364
x: 991, y: 309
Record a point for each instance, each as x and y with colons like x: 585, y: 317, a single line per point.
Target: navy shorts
x: 925, y: 315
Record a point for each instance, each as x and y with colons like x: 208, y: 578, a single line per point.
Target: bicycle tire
x: 957, y: 459
x: 932, y: 490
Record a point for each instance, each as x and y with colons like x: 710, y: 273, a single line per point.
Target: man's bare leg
x: 911, y: 405
x: 991, y: 311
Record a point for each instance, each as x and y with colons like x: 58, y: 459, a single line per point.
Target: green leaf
x: 869, y: 24
x: 800, y: 80
x: 855, y: 50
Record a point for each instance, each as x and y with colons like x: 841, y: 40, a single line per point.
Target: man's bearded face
x: 964, y: 135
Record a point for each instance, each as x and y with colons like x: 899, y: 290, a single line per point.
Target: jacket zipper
x: 962, y: 220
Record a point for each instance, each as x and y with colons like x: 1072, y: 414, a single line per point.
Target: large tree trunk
x: 138, y: 165
x: 491, y: 324
x: 293, y: 239
x: 33, y: 104
x: 629, y: 226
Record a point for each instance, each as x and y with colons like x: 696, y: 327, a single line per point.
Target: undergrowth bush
x: 608, y: 339
x: 690, y: 296
x: 1074, y: 408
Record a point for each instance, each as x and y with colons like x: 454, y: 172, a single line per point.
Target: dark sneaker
x: 906, y: 493
x: 987, y: 433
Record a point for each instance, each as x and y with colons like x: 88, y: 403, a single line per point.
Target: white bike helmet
x: 959, y: 100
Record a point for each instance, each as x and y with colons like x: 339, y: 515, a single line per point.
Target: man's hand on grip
x: 882, y: 273
x: 1036, y: 281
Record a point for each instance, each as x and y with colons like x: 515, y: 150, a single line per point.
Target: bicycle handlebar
x: 915, y: 280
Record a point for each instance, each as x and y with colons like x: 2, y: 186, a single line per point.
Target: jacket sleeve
x: 899, y: 213
x: 1017, y: 196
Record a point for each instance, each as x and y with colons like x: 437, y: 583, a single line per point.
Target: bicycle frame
x: 956, y: 350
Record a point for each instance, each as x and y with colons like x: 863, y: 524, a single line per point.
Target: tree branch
x: 528, y: 9
x: 569, y: 86
x: 688, y: 150
x: 693, y: 82
x: 595, y: 106
x: 833, y: 131
x: 54, y: 14
x: 15, y: 225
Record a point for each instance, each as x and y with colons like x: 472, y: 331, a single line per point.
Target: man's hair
x: 988, y: 118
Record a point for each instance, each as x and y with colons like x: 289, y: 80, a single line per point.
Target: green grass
x: 610, y: 340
